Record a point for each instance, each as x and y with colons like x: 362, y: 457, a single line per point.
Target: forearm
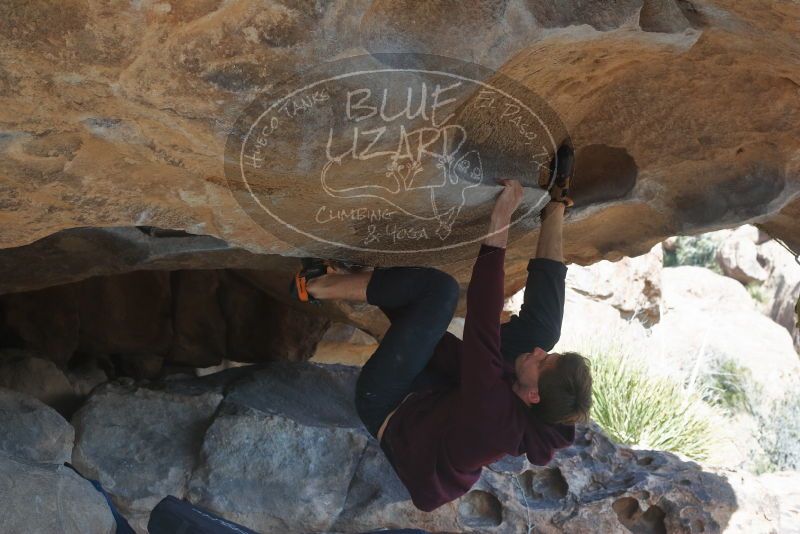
x: 497, y: 235
x: 550, y: 236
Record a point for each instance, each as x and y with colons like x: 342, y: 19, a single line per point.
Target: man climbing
x: 443, y: 408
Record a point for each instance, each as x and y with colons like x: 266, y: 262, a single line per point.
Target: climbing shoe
x: 562, y: 166
x: 310, y: 268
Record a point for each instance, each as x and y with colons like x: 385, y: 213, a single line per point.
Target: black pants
x: 419, y: 302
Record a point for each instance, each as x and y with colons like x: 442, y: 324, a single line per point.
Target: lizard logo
x: 388, y: 157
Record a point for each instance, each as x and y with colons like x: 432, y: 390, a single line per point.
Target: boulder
x: 690, y: 288
x: 586, y: 321
x: 695, y: 338
x: 781, y: 290
x: 50, y: 498
x: 40, y: 378
x: 284, y: 451
x: 45, y: 321
x: 141, y: 444
x: 32, y: 431
x: 785, y: 487
x: 738, y: 256
x: 346, y: 333
x: 712, y: 317
x: 126, y: 314
x: 37, y: 492
x: 259, y: 327
x: 150, y: 94
x: 344, y: 343
x: 297, y: 449
x: 85, y: 376
x: 199, y: 325
x: 631, y: 285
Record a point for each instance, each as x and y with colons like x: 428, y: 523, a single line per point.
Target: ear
x: 533, y: 396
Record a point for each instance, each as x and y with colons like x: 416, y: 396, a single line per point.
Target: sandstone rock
x: 37, y: 377
x: 260, y: 327
x: 155, y: 116
x: 79, y: 253
x: 50, y: 498
x: 45, y: 321
x: 142, y: 320
x: 782, y: 287
x: 37, y: 492
x: 125, y: 314
x: 86, y: 376
x: 197, y: 318
x: 588, y: 322
x: 631, y: 285
x: 141, y: 444
x: 690, y: 288
x: 345, y: 344
x: 345, y: 333
x: 784, y: 486
x: 298, y: 448
x: 686, y: 338
x: 32, y: 431
x: 286, y: 452
x: 738, y: 257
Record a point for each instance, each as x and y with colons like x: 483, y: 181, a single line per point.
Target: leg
x: 420, y: 303
x: 340, y: 286
x: 539, y: 321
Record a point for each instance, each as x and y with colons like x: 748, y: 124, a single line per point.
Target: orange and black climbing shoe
x: 311, y: 268
x: 562, y: 167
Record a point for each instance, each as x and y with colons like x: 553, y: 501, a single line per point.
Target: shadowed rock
x: 284, y: 451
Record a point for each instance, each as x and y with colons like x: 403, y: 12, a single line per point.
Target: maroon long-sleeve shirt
x: 440, y: 437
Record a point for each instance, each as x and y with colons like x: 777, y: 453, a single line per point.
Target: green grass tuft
x: 756, y: 292
x: 652, y: 412
x: 730, y: 386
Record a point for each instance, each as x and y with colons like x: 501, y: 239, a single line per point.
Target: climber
x: 443, y: 408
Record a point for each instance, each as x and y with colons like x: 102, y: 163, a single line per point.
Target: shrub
x: 652, y: 412
x: 779, y: 433
x: 756, y: 292
x: 729, y: 386
x: 693, y: 250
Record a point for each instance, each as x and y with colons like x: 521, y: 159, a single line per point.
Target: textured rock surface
x: 142, y: 320
x: 718, y: 320
x: 50, y: 498
x: 141, y: 444
x: 738, y: 256
x: 685, y: 114
x: 32, y: 431
x: 631, y: 285
x: 782, y: 287
x: 37, y: 377
x: 284, y: 451
x: 37, y: 492
x: 695, y: 288
x: 785, y: 485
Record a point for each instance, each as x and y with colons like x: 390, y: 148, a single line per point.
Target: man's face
x: 529, y: 367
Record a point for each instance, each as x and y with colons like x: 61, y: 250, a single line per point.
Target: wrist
x: 498, y: 232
